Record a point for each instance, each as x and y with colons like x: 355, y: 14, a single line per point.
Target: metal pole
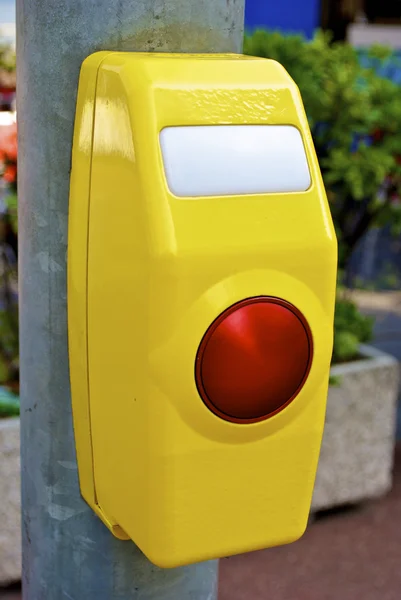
x: 68, y: 554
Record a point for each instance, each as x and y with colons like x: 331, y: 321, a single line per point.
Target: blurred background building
x: 362, y: 22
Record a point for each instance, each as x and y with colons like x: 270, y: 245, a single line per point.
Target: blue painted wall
x: 291, y: 16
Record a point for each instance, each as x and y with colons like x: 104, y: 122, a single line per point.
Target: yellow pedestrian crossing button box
x: 201, y: 286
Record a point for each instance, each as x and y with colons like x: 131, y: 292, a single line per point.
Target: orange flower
x: 10, y: 173
x: 10, y: 147
x: 8, y: 143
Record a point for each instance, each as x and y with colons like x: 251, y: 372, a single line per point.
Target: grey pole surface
x: 68, y: 554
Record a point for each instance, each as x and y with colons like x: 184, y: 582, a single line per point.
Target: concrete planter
x: 10, y: 505
x: 356, y: 458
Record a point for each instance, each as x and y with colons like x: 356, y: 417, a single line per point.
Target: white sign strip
x: 221, y: 160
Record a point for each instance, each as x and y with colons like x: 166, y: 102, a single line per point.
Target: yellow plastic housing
x: 149, y: 272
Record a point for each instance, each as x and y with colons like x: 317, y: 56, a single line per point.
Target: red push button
x: 254, y: 359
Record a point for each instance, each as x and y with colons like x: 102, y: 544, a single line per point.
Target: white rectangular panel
x: 221, y: 160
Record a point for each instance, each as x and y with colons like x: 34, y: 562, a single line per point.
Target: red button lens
x: 254, y: 359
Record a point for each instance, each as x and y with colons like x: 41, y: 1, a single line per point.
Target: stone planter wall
x: 10, y: 519
x: 356, y: 458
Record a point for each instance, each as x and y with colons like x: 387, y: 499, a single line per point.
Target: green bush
x: 9, y: 404
x: 9, y: 329
x: 355, y: 120
x: 9, y: 343
x: 7, y: 56
x: 351, y: 328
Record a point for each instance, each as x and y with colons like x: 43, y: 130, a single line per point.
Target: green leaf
x: 9, y: 404
x: 334, y: 380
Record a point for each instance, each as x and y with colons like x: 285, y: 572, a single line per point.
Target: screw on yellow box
x: 201, y: 286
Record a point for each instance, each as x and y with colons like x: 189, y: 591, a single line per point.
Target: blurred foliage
x: 389, y: 279
x: 8, y: 162
x: 355, y: 120
x: 9, y: 327
x: 351, y: 328
x: 9, y: 404
x: 334, y: 380
x: 7, y: 56
x: 12, y: 209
